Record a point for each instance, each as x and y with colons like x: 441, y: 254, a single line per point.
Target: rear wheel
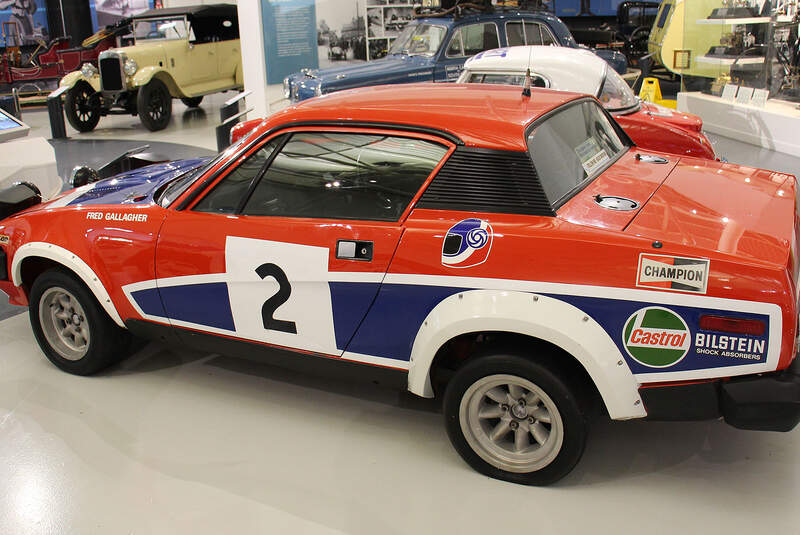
x: 82, y: 107
x: 513, y: 419
x: 154, y: 104
x: 192, y: 102
x: 72, y: 329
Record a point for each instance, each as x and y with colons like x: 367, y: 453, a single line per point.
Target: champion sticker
x: 672, y: 273
x: 656, y: 337
x: 467, y: 243
x: 4, y: 239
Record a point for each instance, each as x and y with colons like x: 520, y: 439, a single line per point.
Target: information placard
x: 759, y: 97
x: 744, y: 95
x: 729, y: 92
x: 290, y: 37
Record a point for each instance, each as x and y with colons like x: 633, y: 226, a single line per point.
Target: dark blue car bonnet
x: 393, y: 69
x: 137, y: 186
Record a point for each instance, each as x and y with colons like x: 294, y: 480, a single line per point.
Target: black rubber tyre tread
x: 109, y: 343
x: 155, y: 88
x: 563, y: 395
x: 192, y: 102
x: 71, y: 103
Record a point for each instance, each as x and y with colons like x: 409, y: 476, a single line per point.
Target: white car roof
x: 567, y: 69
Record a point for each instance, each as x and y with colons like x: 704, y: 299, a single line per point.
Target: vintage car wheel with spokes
x: 512, y: 418
x: 82, y: 107
x: 155, y: 105
x: 74, y: 332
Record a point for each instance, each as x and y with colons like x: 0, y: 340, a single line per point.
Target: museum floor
x: 179, y: 442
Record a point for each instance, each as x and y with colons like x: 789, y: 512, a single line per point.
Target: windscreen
x: 419, y: 40
x: 615, y: 94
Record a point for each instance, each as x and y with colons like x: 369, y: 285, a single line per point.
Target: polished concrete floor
x: 171, y: 442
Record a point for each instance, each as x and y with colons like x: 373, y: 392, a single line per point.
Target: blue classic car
x: 435, y: 49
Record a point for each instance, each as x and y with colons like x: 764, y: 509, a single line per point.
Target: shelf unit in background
x: 381, y: 30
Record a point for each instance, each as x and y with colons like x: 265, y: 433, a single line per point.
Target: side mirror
x: 82, y: 175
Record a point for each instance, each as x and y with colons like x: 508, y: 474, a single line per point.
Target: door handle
x: 354, y: 250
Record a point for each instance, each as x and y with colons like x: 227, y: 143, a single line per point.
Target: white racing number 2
x: 279, y: 293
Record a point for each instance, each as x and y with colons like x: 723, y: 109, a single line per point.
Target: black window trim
x: 458, y: 30
x: 201, y: 188
x: 254, y: 183
x: 558, y: 203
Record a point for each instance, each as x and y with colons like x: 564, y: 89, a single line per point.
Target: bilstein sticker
x: 672, y: 273
x: 656, y: 337
x: 4, y: 239
x: 735, y: 347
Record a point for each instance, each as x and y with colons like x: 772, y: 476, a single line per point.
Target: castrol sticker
x: 656, y: 337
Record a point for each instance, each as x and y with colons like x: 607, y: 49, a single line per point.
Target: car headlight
x: 88, y: 70
x: 130, y: 67
x: 287, y: 89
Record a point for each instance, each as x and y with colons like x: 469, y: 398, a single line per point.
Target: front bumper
x: 763, y: 403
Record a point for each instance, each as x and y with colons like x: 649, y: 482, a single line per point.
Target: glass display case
x: 751, y: 44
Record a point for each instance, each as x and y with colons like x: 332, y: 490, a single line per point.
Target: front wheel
x: 154, y: 104
x: 513, y: 419
x: 72, y: 329
x: 82, y: 107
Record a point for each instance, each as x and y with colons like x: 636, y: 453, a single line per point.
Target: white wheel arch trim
x: 554, y: 321
x: 71, y: 261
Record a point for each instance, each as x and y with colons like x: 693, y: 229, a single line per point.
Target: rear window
x: 573, y: 146
x: 504, y: 79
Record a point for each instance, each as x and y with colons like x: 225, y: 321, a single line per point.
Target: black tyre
x: 154, y: 104
x: 72, y: 329
x: 192, y: 102
x: 82, y: 107
x: 513, y: 419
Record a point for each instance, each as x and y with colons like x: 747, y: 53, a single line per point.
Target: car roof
x: 569, y: 69
x: 450, y: 20
x: 480, y: 115
x: 209, y: 10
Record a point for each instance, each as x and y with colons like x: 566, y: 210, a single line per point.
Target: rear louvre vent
x: 483, y: 180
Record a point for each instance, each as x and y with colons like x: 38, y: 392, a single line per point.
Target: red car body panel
x: 650, y: 127
x: 663, y: 130
x: 57, y: 61
x: 747, y: 236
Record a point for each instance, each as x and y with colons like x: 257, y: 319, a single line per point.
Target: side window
x: 533, y: 33
x: 547, y: 36
x: 473, y: 39
x: 229, y: 193
x: 480, y: 37
x: 344, y: 176
x: 454, y: 49
x: 514, y: 33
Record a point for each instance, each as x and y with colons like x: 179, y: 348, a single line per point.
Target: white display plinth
x: 774, y: 126
x: 30, y: 159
